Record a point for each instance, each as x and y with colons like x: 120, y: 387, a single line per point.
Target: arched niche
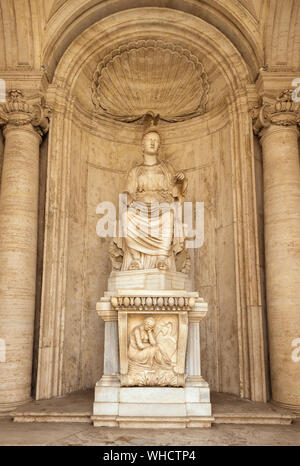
x: 89, y: 155
x: 229, y: 16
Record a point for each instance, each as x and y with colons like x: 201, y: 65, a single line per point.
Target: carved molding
x: 153, y: 303
x: 109, y: 306
x: 281, y: 112
x: 17, y: 111
x: 150, y: 75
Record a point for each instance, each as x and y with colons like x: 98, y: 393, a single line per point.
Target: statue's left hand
x: 179, y: 177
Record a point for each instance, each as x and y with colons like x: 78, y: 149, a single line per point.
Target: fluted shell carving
x: 150, y: 76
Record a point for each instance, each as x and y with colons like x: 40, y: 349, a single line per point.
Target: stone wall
x: 91, y: 149
x: 208, y: 163
x: 1, y: 153
x: 97, y: 173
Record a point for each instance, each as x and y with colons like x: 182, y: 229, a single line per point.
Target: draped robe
x: 148, y: 224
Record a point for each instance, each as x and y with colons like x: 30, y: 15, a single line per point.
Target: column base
x: 109, y: 381
x: 294, y: 408
x: 196, y: 381
x: 151, y: 407
x: 11, y: 406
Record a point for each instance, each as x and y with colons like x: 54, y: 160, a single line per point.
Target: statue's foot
x: 135, y: 265
x: 162, y: 264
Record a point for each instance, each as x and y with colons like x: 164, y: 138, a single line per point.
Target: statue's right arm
x: 131, y: 186
x: 138, y: 339
x: 151, y: 338
x: 131, y: 182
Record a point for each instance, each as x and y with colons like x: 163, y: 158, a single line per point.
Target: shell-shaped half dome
x: 150, y: 76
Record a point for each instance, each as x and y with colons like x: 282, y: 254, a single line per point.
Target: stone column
x: 24, y: 125
x: 193, y: 363
x: 111, y: 366
x: 276, y: 125
x: 193, y: 355
x: 111, y: 348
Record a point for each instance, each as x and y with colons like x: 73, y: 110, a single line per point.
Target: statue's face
x: 149, y: 324
x: 151, y: 143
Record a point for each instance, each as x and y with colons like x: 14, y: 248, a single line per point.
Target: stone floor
x: 77, y: 407
x: 77, y: 434
x: 238, y: 422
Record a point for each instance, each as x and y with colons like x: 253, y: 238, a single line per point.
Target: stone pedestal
x: 159, y: 384
x: 156, y: 407
x: 152, y: 280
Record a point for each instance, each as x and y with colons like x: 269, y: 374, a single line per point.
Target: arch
x: 34, y: 32
x: 282, y: 36
x: 70, y: 67
x: 195, y: 34
x: 229, y: 17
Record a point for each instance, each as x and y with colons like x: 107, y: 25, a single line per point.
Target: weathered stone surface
x: 249, y: 50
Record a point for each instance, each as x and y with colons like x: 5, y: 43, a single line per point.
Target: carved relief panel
x: 152, y: 348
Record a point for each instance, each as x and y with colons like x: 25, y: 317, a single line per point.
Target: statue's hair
x: 148, y: 319
x: 152, y: 130
x: 151, y: 124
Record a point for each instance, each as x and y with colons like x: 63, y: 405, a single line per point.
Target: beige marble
x: 222, y: 367
x: 152, y: 348
x: 248, y: 49
x: 227, y: 409
x: 153, y: 280
x: 152, y: 407
x: 90, y: 163
x: 18, y: 244
x: 162, y: 96
x: 279, y: 138
x: 149, y: 237
x: 243, y: 22
x: 68, y: 434
x: 153, y: 329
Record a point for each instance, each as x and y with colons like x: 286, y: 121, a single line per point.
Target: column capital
x: 18, y: 111
x: 282, y: 111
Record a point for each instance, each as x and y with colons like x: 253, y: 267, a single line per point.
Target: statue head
x: 149, y: 323
x: 151, y: 143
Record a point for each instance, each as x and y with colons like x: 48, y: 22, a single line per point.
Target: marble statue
x: 152, y: 372
x: 154, y: 193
